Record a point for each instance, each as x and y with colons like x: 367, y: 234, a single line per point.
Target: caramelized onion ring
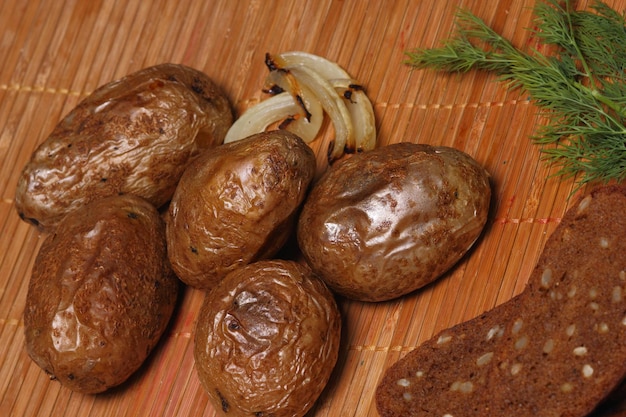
x: 314, y: 85
x: 257, y: 118
x: 309, y: 122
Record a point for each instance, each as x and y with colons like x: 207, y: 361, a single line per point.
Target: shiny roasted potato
x: 100, y: 295
x: 267, y: 340
x: 236, y: 204
x: 386, y: 222
x: 135, y: 135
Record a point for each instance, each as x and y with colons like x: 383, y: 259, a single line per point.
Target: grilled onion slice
x: 302, y: 87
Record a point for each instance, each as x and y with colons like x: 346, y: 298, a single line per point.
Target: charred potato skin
x: 387, y: 222
x: 101, y: 294
x: 266, y: 340
x: 236, y: 204
x: 135, y: 135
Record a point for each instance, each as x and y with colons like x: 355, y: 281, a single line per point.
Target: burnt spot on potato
x: 233, y: 325
x: 30, y: 220
x: 198, y: 87
x: 223, y: 402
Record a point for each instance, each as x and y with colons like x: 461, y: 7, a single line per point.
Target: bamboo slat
x: 54, y: 53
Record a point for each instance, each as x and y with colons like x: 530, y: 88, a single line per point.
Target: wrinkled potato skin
x: 135, y: 135
x: 266, y: 340
x: 386, y: 222
x: 237, y: 204
x: 101, y: 294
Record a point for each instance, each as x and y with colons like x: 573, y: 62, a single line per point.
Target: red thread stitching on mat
x: 439, y: 106
x: 498, y: 220
x: 40, y: 89
x: 434, y: 106
x: 249, y: 102
x: 546, y: 220
x: 375, y: 348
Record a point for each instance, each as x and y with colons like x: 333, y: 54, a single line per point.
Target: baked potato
x: 236, y: 204
x: 100, y: 295
x: 386, y: 222
x: 267, y: 340
x: 135, y: 135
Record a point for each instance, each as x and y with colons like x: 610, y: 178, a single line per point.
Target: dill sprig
x: 580, y: 85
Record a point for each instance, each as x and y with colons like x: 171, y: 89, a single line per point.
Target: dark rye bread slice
x: 556, y: 349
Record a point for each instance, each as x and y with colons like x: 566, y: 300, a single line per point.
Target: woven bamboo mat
x: 53, y: 53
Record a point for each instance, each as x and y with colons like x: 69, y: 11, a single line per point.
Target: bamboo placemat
x: 53, y: 53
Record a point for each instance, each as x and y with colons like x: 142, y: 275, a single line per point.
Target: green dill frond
x: 580, y: 86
